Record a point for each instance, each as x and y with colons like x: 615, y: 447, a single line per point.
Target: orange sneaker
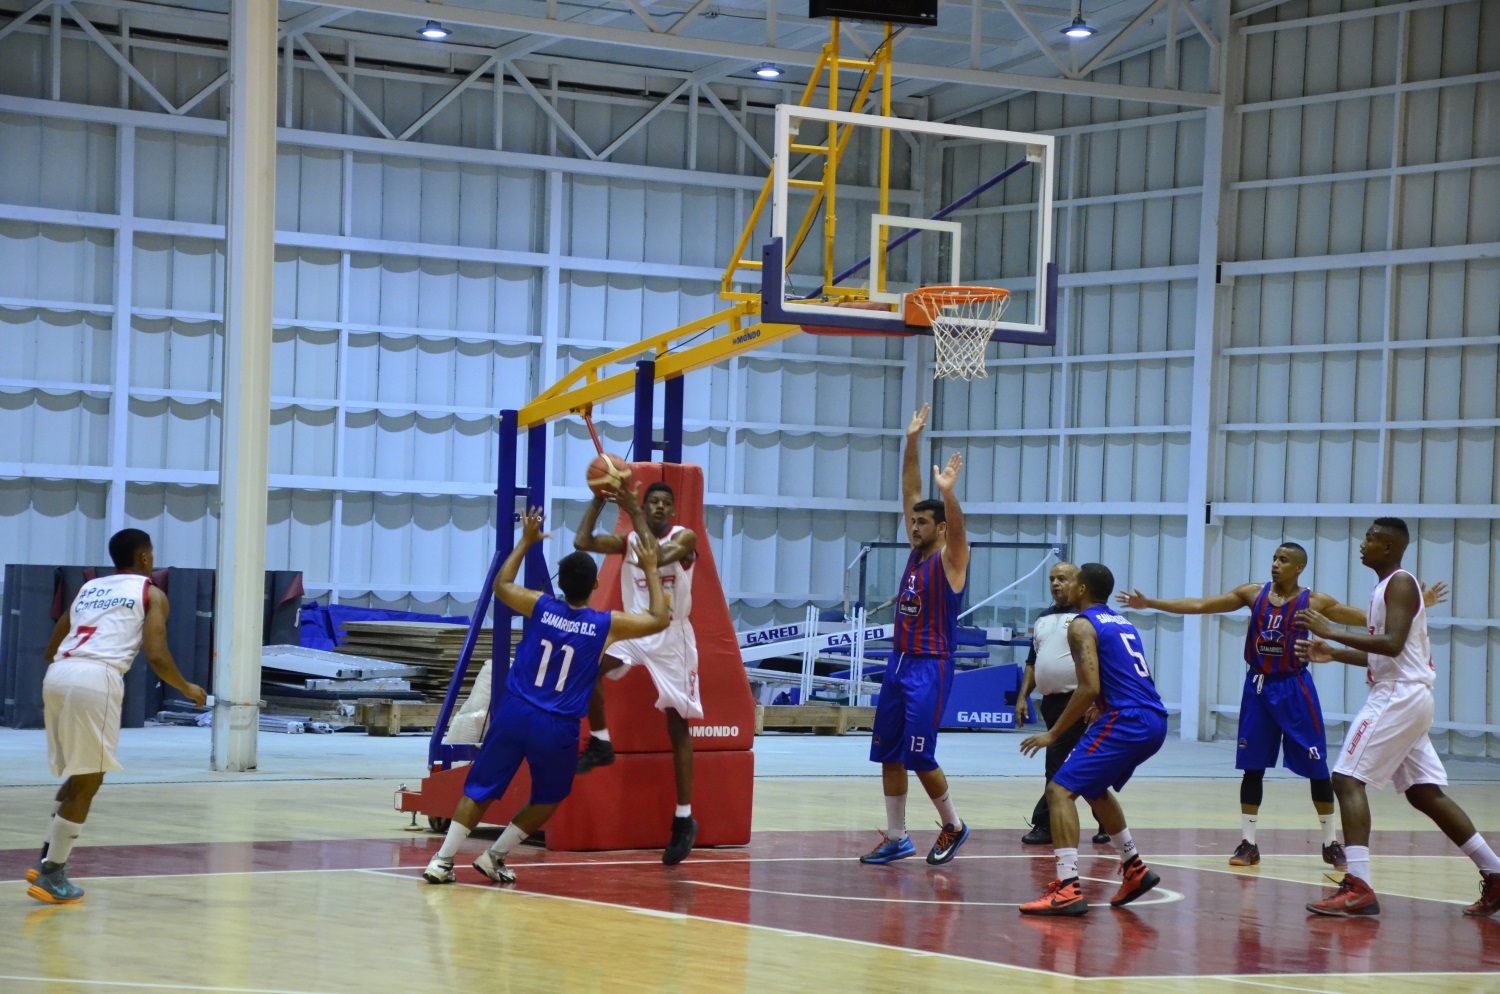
x: 1139, y: 878
x: 1489, y: 897
x: 1060, y: 898
x: 1353, y: 899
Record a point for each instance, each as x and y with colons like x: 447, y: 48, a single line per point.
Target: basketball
x: 606, y: 473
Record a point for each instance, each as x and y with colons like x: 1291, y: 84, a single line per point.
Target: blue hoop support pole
x: 671, y: 428
x: 644, y: 444
x: 535, y: 575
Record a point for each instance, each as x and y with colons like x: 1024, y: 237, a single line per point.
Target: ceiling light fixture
x: 435, y: 31
x: 1079, y: 28
x: 767, y: 70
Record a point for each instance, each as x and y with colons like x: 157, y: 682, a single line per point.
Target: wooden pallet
x: 394, y: 717
x: 823, y: 719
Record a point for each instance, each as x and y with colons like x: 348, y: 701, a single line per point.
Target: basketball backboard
x: 909, y: 204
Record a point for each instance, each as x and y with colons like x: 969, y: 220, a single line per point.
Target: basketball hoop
x: 962, y: 318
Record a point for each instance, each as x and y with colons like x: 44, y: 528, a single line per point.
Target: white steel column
x: 1211, y: 301
x: 123, y: 329
x: 239, y: 597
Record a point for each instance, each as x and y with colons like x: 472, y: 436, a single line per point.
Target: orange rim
x: 920, y: 304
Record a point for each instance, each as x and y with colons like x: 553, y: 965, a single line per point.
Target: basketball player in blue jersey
x: 546, y: 694
x: 917, y: 680
x: 1113, y: 678
x: 1279, y: 707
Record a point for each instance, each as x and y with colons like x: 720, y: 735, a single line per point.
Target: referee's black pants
x: 1051, y: 708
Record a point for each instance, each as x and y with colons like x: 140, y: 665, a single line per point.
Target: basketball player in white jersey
x: 1388, y: 738
x: 93, y: 645
x: 670, y: 656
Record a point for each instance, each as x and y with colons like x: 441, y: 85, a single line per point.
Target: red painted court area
x: 1199, y: 922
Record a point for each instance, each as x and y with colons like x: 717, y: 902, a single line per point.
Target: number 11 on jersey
x: 562, y: 674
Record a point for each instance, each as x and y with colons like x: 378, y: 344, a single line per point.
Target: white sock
x: 1125, y: 844
x: 1483, y: 856
x: 1247, y: 828
x: 946, y: 811
x: 602, y: 734
x: 1067, y: 863
x: 456, y: 836
x: 682, y: 811
x: 1358, y: 859
x: 509, y: 839
x: 64, y: 834
x: 1330, y: 830
x: 895, y: 816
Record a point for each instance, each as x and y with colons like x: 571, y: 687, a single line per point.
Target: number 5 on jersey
x: 562, y: 674
x: 1140, y: 660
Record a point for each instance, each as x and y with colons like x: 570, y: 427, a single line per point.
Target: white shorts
x: 671, y: 657
x: 81, y: 706
x: 1388, y: 739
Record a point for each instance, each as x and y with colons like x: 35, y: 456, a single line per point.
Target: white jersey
x: 676, y: 583
x: 1055, y: 672
x: 1413, y: 664
x: 109, y: 621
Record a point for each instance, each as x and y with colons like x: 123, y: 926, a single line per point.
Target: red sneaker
x: 1139, y: 878
x: 1353, y: 899
x: 1489, y: 897
x: 1059, y: 899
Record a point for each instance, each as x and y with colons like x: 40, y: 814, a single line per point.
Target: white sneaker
x: 439, y: 871
x: 492, y: 865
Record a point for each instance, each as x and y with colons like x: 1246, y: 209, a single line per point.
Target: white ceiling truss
x: 670, y: 49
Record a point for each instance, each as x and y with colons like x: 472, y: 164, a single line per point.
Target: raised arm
x: 520, y: 599
x: 1356, y: 617
x: 1242, y: 596
x: 911, y: 465
x: 956, y: 547
x: 680, y: 548
x: 158, y: 656
x: 1314, y: 651
x: 1083, y: 642
x: 633, y: 626
x: 587, y: 540
x: 1401, y: 600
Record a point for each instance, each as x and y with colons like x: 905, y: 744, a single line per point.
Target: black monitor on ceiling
x: 919, y: 12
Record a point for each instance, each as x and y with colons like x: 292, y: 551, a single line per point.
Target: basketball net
x: 963, y: 318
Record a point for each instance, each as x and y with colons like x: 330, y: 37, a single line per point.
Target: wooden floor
x: 312, y: 887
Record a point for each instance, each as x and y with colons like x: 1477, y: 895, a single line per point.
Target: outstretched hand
x: 1133, y: 599
x: 948, y: 475
x: 1314, y: 651
x: 1314, y: 622
x: 628, y: 497
x: 918, y: 421
x: 647, y: 549
x: 1434, y: 595
x: 1037, y: 743
x: 531, y: 526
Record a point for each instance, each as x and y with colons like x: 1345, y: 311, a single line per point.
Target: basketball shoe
x: 597, y: 753
x: 53, y: 887
x: 1353, y: 898
x: 35, y: 870
x: 1333, y: 855
x: 1101, y: 838
x: 439, y: 871
x: 1060, y: 898
x: 1139, y: 878
x: 492, y: 865
x: 890, y: 850
x: 1247, y: 853
x: 684, y: 833
x: 948, y: 841
x: 1489, y: 897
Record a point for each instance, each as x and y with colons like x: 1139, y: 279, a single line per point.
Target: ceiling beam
x: 756, y: 53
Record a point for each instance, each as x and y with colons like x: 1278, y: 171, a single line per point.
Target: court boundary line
x: 158, y: 985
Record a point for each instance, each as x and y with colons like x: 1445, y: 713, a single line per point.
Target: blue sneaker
x: 34, y: 870
x: 948, y: 841
x: 53, y: 887
x: 890, y: 850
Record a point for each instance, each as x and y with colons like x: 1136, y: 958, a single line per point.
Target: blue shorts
x: 913, y: 691
x: 519, y: 730
x: 1111, y: 749
x: 1277, y: 711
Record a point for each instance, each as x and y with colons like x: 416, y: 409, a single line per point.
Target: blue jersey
x: 557, y: 661
x: 1124, y: 678
x: 926, y: 608
x: 1273, y: 634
